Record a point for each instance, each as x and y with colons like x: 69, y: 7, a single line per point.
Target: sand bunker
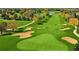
x: 28, y: 28
x: 70, y: 40
x: 75, y: 31
x: 24, y: 34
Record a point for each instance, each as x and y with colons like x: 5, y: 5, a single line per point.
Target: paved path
x: 27, y: 24
x: 76, y: 32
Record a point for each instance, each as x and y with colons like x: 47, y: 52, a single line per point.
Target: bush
x: 20, y: 30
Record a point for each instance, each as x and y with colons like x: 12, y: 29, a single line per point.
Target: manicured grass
x: 54, y: 24
x: 42, y: 42
x: 52, y: 27
x: 21, y: 23
x: 8, y: 43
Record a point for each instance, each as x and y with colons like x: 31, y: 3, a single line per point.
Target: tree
x: 12, y: 25
x: 3, y: 27
x: 78, y: 28
x: 73, y: 21
x: 77, y: 47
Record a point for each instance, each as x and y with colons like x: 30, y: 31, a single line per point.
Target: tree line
x: 7, y: 25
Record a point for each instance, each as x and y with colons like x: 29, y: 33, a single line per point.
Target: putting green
x: 42, y: 42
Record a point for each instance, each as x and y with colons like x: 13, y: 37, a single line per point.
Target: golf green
x: 42, y: 42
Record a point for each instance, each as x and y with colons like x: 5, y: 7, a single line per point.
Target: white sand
x: 24, y: 34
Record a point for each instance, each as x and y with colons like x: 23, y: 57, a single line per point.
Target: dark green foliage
x: 78, y: 28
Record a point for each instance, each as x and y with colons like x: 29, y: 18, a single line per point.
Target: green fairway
x: 54, y: 24
x: 42, y: 42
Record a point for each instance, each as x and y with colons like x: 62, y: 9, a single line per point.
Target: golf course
x: 35, y: 37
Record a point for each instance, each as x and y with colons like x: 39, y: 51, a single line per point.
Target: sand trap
x: 24, y: 34
x: 28, y: 28
x: 70, y: 40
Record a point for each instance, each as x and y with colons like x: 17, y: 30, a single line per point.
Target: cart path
x: 75, y: 32
x: 27, y: 24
